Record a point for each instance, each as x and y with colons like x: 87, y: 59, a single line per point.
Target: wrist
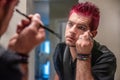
x: 23, y: 57
x: 83, y: 57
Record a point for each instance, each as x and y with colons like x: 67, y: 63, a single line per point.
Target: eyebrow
x: 78, y: 23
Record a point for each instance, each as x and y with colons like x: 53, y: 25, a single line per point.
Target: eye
x: 70, y: 24
x: 82, y: 27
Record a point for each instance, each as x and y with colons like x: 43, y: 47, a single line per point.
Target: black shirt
x: 9, y: 65
x: 103, y: 62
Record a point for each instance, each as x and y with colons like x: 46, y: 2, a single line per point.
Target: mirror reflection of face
x: 77, y: 24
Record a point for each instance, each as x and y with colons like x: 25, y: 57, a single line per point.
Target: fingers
x: 36, y: 19
x: 33, y: 22
x: 21, y: 25
x: 86, y: 36
x: 36, y: 22
x: 84, y: 43
x: 33, y: 27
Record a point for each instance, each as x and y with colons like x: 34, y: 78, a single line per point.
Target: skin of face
x: 6, y: 12
x: 77, y: 24
x: 2, y: 4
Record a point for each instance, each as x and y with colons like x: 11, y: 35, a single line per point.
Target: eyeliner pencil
x: 56, y: 34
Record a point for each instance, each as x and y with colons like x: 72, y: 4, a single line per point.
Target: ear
x: 94, y: 33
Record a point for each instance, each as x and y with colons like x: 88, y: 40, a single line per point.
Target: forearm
x: 56, y: 77
x: 83, y: 70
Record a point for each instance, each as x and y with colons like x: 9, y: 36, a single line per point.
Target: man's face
x: 2, y: 5
x: 6, y: 12
x: 77, y: 24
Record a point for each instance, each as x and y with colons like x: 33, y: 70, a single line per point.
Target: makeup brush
x: 46, y: 28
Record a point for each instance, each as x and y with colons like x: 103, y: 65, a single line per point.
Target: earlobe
x: 94, y: 33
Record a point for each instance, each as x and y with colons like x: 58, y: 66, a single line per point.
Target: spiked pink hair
x: 87, y: 9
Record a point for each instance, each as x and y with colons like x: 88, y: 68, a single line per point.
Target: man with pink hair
x: 27, y: 36
x: 81, y: 57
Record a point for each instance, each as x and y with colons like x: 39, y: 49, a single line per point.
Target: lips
x: 70, y: 38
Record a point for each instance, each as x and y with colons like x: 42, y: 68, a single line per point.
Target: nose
x: 73, y: 29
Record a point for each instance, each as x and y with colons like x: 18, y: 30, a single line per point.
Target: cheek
x: 78, y: 34
x: 1, y: 17
x: 66, y: 30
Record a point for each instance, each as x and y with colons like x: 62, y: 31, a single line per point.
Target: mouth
x: 70, y: 41
x: 69, y: 38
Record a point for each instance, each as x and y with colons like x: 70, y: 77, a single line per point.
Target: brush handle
x: 40, y: 24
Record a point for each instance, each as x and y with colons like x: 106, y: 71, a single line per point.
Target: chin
x: 70, y: 44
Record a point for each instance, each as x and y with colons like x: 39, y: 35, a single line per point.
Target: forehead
x: 79, y: 18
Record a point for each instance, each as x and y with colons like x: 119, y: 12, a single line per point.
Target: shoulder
x: 61, y: 45
x: 58, y: 58
x: 103, y: 62
x: 102, y: 49
x: 60, y: 48
x: 102, y: 53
